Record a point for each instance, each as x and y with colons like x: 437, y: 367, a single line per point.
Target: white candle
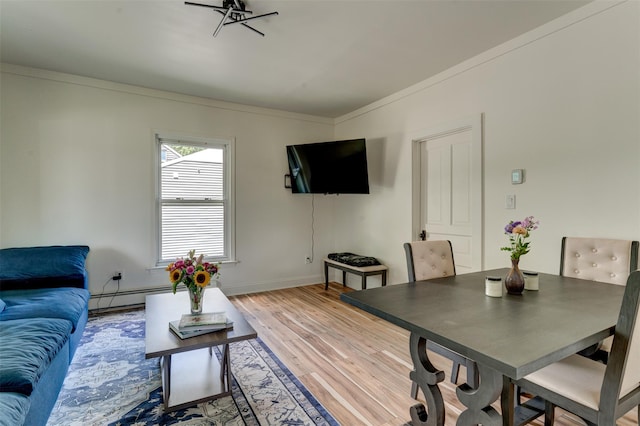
x: 530, y: 280
x: 493, y: 286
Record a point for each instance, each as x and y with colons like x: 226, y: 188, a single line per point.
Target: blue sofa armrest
x: 24, y: 268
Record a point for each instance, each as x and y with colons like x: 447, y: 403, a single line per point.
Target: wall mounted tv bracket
x: 233, y: 12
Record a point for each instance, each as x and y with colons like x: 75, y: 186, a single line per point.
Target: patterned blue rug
x: 111, y: 383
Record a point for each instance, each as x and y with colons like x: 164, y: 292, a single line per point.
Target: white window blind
x: 194, y: 198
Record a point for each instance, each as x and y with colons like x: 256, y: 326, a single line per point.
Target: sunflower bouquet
x: 192, y: 272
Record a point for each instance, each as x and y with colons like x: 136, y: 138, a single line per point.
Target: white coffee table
x: 191, y: 374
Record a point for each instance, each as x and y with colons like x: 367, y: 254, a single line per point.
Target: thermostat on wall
x: 517, y: 176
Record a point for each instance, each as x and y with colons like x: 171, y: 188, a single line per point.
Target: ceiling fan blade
x: 233, y: 20
x: 218, y: 8
x: 219, y: 27
x: 253, y: 29
x: 230, y: 15
x: 204, y: 5
x: 240, y: 21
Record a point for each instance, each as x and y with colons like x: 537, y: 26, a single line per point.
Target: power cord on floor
x: 102, y: 293
x: 313, y: 197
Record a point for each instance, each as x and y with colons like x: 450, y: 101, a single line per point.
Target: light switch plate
x: 510, y: 201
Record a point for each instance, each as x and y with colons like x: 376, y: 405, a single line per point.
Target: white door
x: 448, y: 189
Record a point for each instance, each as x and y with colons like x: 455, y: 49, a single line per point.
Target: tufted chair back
x: 429, y: 259
x: 598, y: 259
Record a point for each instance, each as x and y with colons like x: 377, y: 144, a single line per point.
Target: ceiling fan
x: 233, y: 12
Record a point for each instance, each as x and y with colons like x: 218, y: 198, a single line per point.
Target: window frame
x: 228, y: 201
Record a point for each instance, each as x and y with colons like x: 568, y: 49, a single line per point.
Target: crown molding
x: 42, y: 74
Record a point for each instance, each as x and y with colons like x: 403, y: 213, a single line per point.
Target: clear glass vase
x: 196, y: 298
x: 514, y: 281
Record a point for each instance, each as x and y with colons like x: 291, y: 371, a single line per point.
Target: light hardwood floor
x: 354, y: 363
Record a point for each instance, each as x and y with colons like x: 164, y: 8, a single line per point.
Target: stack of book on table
x: 191, y: 325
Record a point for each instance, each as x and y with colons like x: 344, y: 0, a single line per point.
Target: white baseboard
x: 99, y: 302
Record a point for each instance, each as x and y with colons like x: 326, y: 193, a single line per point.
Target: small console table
x: 363, y: 271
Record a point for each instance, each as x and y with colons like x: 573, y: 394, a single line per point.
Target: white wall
x: 562, y: 102
x: 77, y: 168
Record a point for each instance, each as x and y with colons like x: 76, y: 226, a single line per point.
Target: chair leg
x: 455, y: 370
x: 507, y: 402
x: 414, y: 390
x: 602, y: 356
x: 549, y: 413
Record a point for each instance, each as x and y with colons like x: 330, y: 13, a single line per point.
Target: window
x: 195, y: 208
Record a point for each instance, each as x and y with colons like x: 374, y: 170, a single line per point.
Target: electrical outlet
x: 308, y: 260
x: 117, y: 275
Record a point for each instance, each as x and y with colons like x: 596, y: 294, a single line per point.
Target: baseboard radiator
x: 120, y: 300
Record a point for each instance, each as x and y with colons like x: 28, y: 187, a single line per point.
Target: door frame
x: 473, y: 123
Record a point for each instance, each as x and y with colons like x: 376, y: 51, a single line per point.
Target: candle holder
x: 531, y: 281
x: 493, y: 286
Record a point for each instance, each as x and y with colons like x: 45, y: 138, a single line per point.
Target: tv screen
x: 338, y: 167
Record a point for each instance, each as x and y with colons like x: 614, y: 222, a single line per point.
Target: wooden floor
x: 354, y: 363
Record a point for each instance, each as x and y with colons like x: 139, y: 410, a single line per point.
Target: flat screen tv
x: 338, y: 167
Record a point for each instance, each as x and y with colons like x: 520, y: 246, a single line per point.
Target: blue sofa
x: 44, y: 301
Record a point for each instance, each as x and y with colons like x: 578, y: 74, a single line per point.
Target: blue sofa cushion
x: 35, y: 267
x: 65, y: 303
x: 28, y: 346
x: 14, y: 408
x: 2, y: 305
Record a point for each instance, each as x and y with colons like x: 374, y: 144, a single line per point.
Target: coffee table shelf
x: 195, y: 377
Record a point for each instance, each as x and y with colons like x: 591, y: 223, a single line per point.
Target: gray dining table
x: 508, y: 337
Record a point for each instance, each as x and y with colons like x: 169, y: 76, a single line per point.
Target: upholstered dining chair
x: 598, y: 393
x: 595, y: 259
x: 434, y: 259
x: 599, y: 259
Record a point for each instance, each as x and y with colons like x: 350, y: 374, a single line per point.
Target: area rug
x: 111, y: 383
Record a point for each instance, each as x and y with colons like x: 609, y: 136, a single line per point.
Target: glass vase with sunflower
x: 195, y: 274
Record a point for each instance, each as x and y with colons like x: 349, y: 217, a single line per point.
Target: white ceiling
x: 319, y: 57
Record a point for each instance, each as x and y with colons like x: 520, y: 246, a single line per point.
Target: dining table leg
x: 427, y: 377
x: 478, y: 401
